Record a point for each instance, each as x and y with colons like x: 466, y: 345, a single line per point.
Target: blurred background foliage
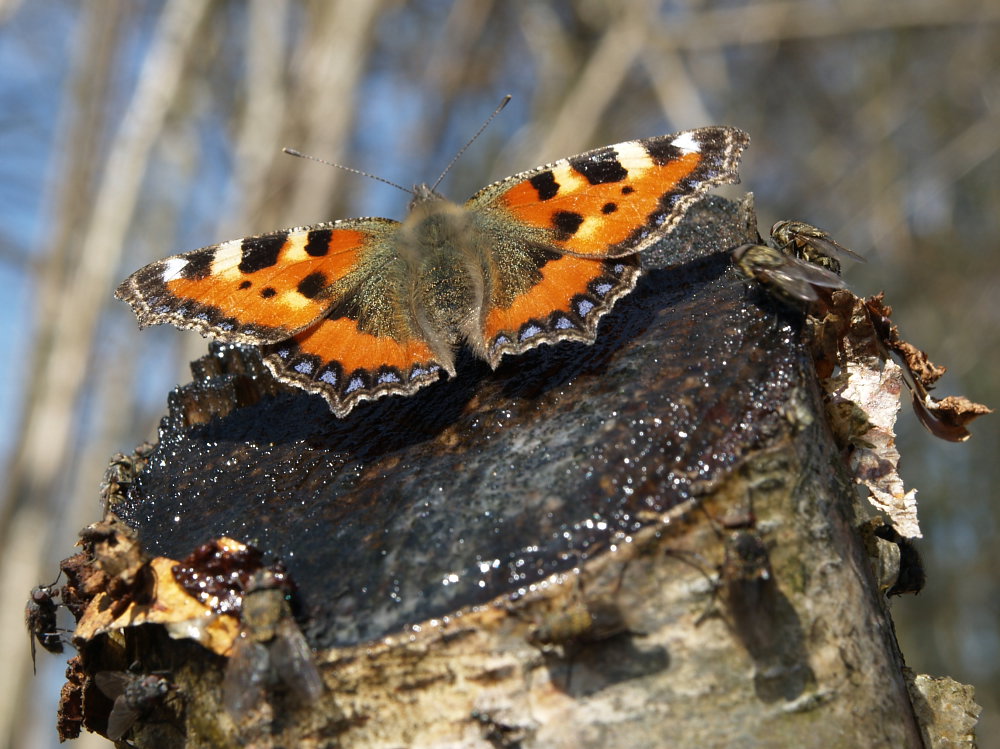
x: 135, y: 129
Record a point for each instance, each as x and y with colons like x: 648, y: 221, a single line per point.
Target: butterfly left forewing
x: 328, y: 304
x: 568, y: 232
x: 255, y: 290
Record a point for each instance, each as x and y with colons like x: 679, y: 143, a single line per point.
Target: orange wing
x: 328, y: 303
x: 569, y: 231
x: 346, y: 365
x: 256, y: 290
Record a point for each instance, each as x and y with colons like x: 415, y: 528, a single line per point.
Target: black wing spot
x: 566, y: 224
x: 663, y: 151
x: 319, y: 242
x: 346, y: 308
x: 198, y: 266
x: 609, y: 208
x: 261, y: 252
x: 600, y: 167
x: 246, y: 284
x: 267, y: 292
x: 545, y: 184
x: 540, y: 256
x: 627, y: 190
x: 312, y: 284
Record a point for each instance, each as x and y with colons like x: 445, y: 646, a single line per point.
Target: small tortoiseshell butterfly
x: 365, y: 307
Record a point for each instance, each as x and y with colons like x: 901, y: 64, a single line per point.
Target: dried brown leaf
x: 182, y: 614
x: 863, y: 404
x: 921, y: 368
x: 946, y: 418
x: 864, y: 397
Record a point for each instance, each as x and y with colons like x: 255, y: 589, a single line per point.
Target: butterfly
x: 361, y: 308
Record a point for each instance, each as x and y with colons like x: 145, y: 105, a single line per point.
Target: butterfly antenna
x: 293, y: 152
x: 503, y: 103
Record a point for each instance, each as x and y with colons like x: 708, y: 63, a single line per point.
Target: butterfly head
x: 424, y: 193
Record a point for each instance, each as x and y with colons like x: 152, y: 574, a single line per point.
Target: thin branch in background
x: 326, y: 78
x: 8, y: 8
x: 679, y: 95
x: 790, y: 20
x: 586, y: 102
x: 14, y: 255
x: 968, y: 150
x: 452, y: 71
x: 447, y: 67
x: 264, y: 119
x: 256, y: 201
x: 83, y: 119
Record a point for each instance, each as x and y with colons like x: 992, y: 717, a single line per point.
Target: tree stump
x: 650, y: 541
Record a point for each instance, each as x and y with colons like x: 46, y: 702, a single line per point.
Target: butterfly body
x: 445, y: 254
x: 360, y: 308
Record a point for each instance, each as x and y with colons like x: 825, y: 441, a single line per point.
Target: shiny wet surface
x: 484, y: 484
